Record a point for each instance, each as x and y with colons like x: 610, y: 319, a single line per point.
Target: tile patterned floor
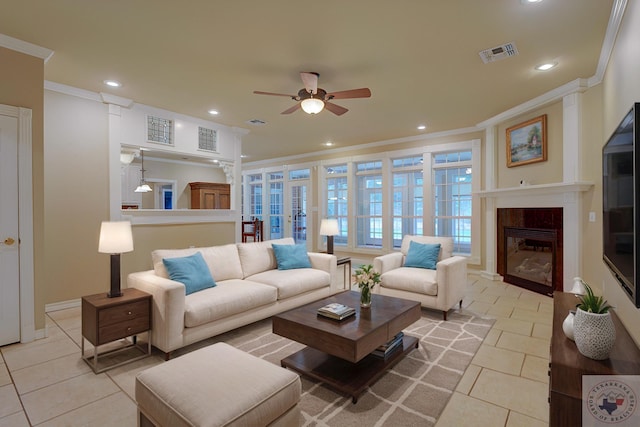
x: 46, y: 383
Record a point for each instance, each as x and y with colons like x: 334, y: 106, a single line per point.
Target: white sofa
x: 438, y: 289
x: 249, y: 287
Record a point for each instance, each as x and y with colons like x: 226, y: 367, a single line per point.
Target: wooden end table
x: 106, y: 320
x: 339, y: 352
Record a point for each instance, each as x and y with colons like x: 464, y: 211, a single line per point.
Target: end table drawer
x: 120, y: 330
x: 124, y: 312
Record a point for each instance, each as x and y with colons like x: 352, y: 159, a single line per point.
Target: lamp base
x: 330, y: 245
x: 115, y: 277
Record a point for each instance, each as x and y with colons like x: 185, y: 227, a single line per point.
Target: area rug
x: 413, y: 393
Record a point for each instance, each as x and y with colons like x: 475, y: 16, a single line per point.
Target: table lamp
x: 329, y: 228
x: 115, y: 238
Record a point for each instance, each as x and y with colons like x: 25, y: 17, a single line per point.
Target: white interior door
x: 9, y: 254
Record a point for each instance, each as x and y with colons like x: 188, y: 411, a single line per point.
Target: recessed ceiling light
x: 530, y: 1
x: 213, y: 112
x: 422, y: 127
x: 112, y: 83
x: 546, y: 66
x: 328, y: 144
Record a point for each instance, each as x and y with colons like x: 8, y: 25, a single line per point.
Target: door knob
x: 9, y: 241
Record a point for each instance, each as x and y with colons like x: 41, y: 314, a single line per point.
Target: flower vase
x: 567, y: 325
x: 365, y: 297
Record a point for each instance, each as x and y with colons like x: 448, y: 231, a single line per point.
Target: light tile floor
x: 46, y: 383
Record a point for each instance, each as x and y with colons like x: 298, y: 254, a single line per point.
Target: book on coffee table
x: 386, y: 349
x: 336, y: 311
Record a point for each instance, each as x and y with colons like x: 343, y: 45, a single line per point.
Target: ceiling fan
x: 313, y: 99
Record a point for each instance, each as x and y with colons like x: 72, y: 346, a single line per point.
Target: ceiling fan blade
x: 335, y: 109
x: 310, y: 81
x: 292, y: 109
x: 258, y: 92
x: 353, y: 93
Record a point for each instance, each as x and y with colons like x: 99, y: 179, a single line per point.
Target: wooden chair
x: 252, y: 229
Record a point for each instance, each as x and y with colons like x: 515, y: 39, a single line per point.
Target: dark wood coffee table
x: 339, y: 352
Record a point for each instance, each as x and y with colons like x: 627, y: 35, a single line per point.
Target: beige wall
x: 547, y: 172
x: 77, y: 201
x: 22, y: 79
x: 621, y: 90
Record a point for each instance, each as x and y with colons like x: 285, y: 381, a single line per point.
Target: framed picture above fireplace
x: 527, y: 142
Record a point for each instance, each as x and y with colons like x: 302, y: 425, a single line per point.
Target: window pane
x: 452, y: 201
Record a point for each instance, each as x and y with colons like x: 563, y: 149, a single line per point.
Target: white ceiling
x: 419, y: 58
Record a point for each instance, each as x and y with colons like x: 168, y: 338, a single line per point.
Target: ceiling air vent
x: 499, y: 52
x: 256, y: 122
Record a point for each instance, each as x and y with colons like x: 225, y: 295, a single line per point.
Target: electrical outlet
x: 592, y: 216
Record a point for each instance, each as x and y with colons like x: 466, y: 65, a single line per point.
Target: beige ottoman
x: 218, y: 385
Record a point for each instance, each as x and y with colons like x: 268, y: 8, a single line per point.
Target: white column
x: 571, y: 137
x: 490, y: 179
x: 572, y: 215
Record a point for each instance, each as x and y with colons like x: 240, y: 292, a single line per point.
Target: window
x: 369, y: 204
x: 159, y: 130
x: 276, y: 204
x: 207, y: 139
x: 255, y: 196
x: 336, y: 198
x: 452, y: 194
x: 407, y: 199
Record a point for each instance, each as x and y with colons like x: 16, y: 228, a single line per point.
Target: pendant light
x: 143, y: 187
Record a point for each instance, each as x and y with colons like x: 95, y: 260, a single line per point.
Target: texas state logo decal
x: 610, y: 400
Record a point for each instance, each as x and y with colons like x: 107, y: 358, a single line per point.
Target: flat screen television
x: 621, y: 202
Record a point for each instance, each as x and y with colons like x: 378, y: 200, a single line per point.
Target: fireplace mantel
x: 540, y: 189
x: 565, y: 195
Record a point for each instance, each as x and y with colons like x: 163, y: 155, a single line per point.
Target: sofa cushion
x: 290, y: 283
x: 446, y: 244
x: 291, y: 257
x: 256, y: 257
x: 191, y: 271
x: 422, y: 255
x: 223, y: 261
x: 229, y: 297
x: 412, y: 279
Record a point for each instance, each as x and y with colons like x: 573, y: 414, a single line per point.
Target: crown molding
x: 615, y: 20
x: 26, y: 47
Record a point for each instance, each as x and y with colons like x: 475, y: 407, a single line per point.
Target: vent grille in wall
x: 159, y: 130
x: 207, y: 139
x: 499, y: 52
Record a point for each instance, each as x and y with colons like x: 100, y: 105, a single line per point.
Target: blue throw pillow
x: 422, y: 255
x: 291, y: 256
x: 191, y: 270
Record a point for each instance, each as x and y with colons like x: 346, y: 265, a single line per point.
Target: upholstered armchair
x: 434, y: 277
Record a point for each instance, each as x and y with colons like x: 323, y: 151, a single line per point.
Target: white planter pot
x: 594, y: 334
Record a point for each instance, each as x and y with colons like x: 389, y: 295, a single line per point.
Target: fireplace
x: 529, y: 245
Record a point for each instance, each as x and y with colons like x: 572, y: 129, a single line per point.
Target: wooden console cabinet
x: 567, y: 365
x: 210, y: 195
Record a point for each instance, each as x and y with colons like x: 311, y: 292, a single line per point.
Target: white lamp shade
x: 329, y: 227
x: 312, y: 105
x: 143, y: 188
x: 115, y: 237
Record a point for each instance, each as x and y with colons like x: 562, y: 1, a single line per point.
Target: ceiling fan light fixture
x: 312, y: 105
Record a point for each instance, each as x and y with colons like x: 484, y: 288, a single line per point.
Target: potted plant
x: 593, y: 328
x: 366, y: 279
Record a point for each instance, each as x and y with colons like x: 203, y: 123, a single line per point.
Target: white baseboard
x: 62, y: 305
